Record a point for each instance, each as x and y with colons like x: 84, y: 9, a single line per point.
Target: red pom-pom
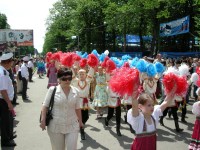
x: 83, y: 63
x: 198, y: 82
x: 92, y: 60
x: 126, y: 64
x: 49, y: 54
x: 198, y: 70
x: 103, y: 65
x: 170, y: 79
x: 77, y: 57
x: 110, y: 66
x: 55, y: 56
x: 182, y: 85
x: 68, y: 60
x: 125, y: 81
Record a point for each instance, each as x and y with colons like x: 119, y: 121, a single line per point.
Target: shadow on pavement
x: 91, y: 143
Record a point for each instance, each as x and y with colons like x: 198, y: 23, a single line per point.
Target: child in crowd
x: 145, y: 119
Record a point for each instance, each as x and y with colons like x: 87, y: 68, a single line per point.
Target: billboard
x: 175, y: 27
x: 15, y: 38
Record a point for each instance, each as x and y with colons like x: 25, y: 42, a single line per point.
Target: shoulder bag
x: 49, y: 111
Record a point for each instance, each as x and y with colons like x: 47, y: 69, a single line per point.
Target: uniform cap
x: 6, y: 56
x: 26, y: 58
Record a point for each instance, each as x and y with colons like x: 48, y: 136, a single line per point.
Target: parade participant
x: 195, y: 142
x: 40, y: 67
x: 25, y: 77
x: 30, y: 69
x: 64, y: 127
x: 144, y: 117
x: 82, y: 83
x: 6, y: 96
x: 114, y: 103
x: 51, y: 74
x: 172, y: 76
x: 100, y: 93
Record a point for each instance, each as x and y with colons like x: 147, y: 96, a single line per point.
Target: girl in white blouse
x: 63, y: 129
x: 144, y: 121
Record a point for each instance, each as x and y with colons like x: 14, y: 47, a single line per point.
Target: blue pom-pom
x: 79, y: 53
x: 159, y: 67
x: 102, y: 57
x: 151, y: 70
x: 85, y: 55
x: 95, y: 53
x: 134, y: 62
x: 126, y: 57
x: 142, y: 65
x: 121, y: 63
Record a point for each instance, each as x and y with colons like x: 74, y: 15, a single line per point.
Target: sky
x: 28, y: 14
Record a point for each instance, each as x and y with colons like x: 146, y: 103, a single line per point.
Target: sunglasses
x: 66, y: 78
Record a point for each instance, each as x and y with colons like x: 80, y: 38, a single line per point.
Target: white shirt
x: 64, y: 119
x: 6, y: 83
x: 30, y: 64
x: 24, y: 71
x: 137, y: 123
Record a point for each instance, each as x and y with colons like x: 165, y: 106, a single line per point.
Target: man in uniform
x: 30, y: 69
x: 25, y: 77
x: 6, y: 96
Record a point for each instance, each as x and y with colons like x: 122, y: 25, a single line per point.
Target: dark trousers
x: 30, y: 70
x: 85, y: 115
x: 15, y: 93
x: 194, y: 92
x: 184, y: 109
x: 24, y: 88
x: 173, y: 112
x: 118, y: 114
x: 5, y: 121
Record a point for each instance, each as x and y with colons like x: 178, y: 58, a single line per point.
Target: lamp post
x: 76, y: 37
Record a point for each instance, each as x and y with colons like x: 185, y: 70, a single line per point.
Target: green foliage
x: 97, y: 23
x: 3, y: 22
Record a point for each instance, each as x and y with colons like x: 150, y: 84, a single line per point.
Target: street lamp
x: 76, y: 37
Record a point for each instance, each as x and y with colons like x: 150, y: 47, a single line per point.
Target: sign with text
x: 21, y: 37
x: 175, y: 27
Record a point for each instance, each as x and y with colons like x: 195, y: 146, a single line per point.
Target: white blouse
x: 64, y: 119
x: 137, y: 123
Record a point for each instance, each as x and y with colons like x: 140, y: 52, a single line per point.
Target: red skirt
x: 195, y: 143
x: 146, y: 141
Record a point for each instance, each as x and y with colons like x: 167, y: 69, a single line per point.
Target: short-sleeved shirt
x: 6, y: 83
x: 137, y: 123
x: 24, y: 71
x: 64, y: 119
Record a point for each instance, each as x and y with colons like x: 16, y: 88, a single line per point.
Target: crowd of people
x: 147, y: 88
x: 14, y: 77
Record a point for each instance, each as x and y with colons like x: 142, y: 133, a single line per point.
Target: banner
x: 21, y: 37
x: 120, y: 54
x: 176, y: 27
x: 179, y: 54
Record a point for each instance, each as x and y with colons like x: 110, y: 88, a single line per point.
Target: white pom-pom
x: 172, y: 70
x: 196, y: 108
x: 194, y: 78
x: 106, y: 52
x: 184, y: 70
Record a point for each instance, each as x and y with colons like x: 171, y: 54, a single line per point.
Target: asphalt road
x: 31, y: 137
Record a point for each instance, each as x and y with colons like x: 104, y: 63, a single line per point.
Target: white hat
x: 6, y: 56
x: 26, y: 58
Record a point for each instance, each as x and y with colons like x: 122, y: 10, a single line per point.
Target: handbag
x: 49, y: 114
